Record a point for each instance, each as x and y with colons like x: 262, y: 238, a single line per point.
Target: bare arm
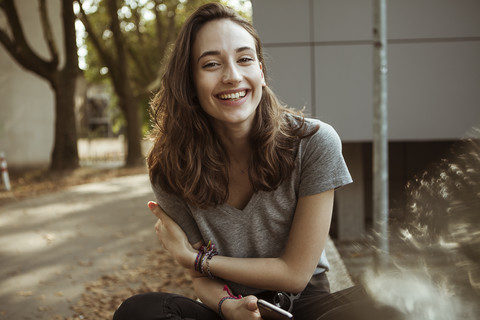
x: 289, y: 272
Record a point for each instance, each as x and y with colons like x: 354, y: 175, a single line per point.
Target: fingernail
x: 152, y: 204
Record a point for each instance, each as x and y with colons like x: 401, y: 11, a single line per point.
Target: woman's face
x: 228, y: 76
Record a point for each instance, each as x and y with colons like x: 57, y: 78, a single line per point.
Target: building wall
x: 27, y: 104
x: 320, y: 56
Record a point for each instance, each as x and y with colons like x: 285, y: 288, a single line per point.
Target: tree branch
x: 118, y: 40
x: 164, y: 39
x: 121, y: 61
x: 158, y: 21
x: 172, y: 12
x: 7, y: 42
x: 137, y: 20
x: 142, y: 62
x: 18, y: 47
x: 47, y: 31
x: 70, y: 37
x: 107, y: 59
x: 141, y: 65
x: 13, y: 20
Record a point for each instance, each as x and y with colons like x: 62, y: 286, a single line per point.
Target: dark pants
x: 315, y: 303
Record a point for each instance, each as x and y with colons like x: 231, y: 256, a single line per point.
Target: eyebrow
x: 217, y: 53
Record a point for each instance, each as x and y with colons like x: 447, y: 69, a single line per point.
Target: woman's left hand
x: 173, y: 238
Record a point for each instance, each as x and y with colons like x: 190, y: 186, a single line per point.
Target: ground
x: 101, y: 297
x: 37, y: 182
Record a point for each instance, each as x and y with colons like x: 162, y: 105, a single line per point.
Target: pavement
x: 52, y: 245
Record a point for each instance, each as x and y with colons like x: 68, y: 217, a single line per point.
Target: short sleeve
x: 178, y: 210
x: 321, y: 161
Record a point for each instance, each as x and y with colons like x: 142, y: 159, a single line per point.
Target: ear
x: 264, y: 84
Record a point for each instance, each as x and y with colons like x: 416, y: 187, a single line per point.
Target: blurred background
x: 76, y: 78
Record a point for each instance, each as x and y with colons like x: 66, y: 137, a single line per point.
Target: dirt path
x: 86, y: 248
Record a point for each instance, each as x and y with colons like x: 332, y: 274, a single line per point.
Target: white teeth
x: 233, y: 96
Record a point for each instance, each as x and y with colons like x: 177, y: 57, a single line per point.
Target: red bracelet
x: 230, y: 294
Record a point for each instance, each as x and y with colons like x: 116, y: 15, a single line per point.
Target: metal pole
x: 380, y: 130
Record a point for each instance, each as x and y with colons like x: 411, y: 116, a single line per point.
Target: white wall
x: 27, y: 104
x: 319, y: 55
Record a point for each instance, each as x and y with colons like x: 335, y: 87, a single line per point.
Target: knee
x: 146, y: 306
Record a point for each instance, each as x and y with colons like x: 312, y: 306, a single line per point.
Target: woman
x: 232, y: 167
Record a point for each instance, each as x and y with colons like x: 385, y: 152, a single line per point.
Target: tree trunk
x: 65, y: 154
x: 134, y: 150
x: 64, y: 81
x: 121, y: 82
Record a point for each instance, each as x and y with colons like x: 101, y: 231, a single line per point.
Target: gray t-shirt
x: 261, y: 229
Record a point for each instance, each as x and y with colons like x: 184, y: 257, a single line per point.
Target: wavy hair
x: 187, y: 157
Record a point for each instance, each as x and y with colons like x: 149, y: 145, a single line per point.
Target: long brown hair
x: 187, y: 158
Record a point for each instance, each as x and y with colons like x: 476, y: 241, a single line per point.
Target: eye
x: 210, y: 65
x: 245, y: 60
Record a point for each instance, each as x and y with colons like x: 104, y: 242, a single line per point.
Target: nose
x: 231, y: 74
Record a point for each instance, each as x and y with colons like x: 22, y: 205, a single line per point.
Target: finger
x: 251, y: 303
x: 156, y: 210
x: 160, y: 214
x: 158, y: 226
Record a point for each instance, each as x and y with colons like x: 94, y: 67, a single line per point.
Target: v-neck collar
x: 231, y: 209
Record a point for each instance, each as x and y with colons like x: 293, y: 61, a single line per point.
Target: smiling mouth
x: 232, y: 96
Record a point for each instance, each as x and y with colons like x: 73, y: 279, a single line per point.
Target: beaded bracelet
x: 198, y: 259
x: 204, y: 254
x: 209, y: 257
x: 204, y: 258
x: 209, y: 273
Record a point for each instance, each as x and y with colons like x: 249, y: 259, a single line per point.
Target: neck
x: 236, y: 142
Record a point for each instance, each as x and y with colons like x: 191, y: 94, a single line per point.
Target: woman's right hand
x: 173, y: 237
x: 241, y: 309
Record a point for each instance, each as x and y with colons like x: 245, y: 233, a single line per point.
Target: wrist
x: 184, y: 255
x: 188, y: 259
x: 225, y: 306
x: 202, y: 259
